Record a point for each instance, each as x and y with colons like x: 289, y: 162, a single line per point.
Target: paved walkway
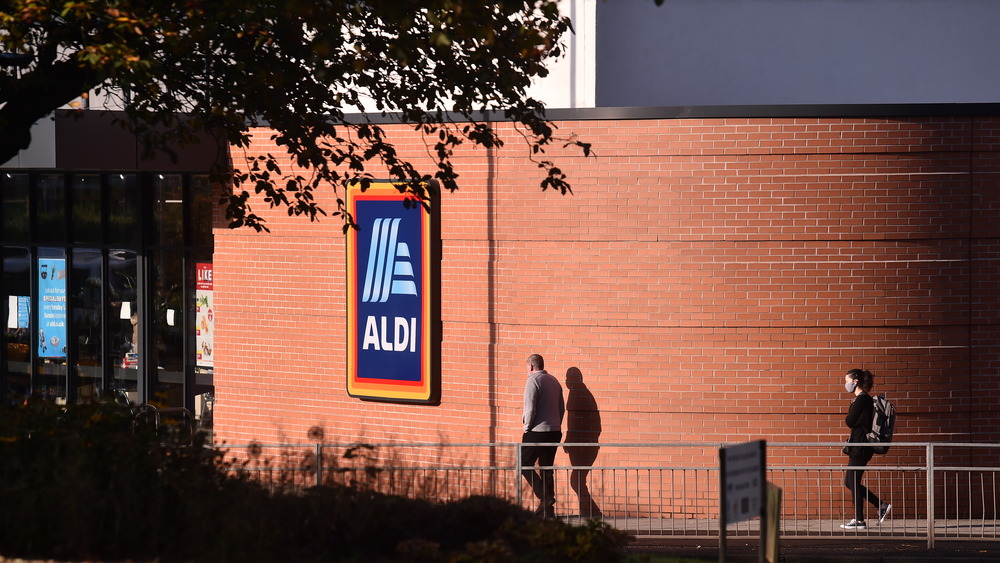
x: 819, y: 541
x: 893, y: 528
x: 914, y: 528
x: 867, y: 550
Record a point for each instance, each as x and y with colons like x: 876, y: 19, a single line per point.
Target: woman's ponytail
x: 865, y: 379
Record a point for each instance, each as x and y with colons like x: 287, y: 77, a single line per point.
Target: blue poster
x: 51, y: 308
x: 23, y: 310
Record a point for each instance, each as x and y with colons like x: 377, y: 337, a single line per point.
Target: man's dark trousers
x: 542, y: 485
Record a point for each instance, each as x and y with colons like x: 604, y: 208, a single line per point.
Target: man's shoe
x: 546, y: 509
x: 855, y: 525
x: 883, y: 512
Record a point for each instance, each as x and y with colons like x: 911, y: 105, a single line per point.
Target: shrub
x: 86, y: 482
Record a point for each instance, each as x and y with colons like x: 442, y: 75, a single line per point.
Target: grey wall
x: 737, y: 52
x: 91, y: 140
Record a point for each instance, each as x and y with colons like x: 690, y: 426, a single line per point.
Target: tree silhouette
x: 180, y: 68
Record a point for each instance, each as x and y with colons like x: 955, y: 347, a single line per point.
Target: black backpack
x: 883, y: 424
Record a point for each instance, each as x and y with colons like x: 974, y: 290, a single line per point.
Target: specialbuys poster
x: 52, y: 307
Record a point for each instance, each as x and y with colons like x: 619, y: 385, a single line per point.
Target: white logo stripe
x: 390, y: 258
x: 404, y: 287
x: 380, y: 263
x: 403, y: 268
x: 373, y: 249
x: 403, y: 250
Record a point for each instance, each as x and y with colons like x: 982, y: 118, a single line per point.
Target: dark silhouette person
x: 583, y: 426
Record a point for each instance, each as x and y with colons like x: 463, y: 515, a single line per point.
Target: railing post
x: 930, y: 496
x: 517, y: 472
x: 319, y: 464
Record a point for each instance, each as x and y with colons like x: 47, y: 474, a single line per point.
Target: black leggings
x: 859, y: 493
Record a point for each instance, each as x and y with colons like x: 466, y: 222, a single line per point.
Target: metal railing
x: 938, y: 491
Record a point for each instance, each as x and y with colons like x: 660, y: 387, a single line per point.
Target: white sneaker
x: 855, y: 525
x: 883, y: 512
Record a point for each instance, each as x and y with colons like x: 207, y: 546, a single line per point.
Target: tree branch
x: 36, y: 95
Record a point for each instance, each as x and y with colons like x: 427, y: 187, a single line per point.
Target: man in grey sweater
x: 543, y: 413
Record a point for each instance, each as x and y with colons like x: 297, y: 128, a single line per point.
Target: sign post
x: 742, y: 489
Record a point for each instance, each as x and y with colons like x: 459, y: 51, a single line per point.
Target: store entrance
x: 101, y: 295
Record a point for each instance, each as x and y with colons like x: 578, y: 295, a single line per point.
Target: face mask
x: 851, y: 386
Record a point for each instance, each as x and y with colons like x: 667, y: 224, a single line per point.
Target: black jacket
x: 859, y: 420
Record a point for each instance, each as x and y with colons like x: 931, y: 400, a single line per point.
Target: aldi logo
x: 392, y: 296
x: 388, y: 258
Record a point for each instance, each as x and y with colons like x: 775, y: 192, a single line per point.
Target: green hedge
x: 87, y: 483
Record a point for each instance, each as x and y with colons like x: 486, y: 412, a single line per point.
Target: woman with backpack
x: 859, y: 382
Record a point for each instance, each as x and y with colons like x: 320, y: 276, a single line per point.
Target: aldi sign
x: 393, y: 274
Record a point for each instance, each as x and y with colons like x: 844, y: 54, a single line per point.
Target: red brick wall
x: 708, y: 280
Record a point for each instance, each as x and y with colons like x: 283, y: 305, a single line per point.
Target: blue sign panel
x: 23, y: 311
x: 391, y: 296
x: 52, y: 308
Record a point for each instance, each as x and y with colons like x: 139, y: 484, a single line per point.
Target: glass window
x: 123, y: 210
x: 201, y: 208
x: 168, y: 210
x: 167, y: 325
x: 51, y: 209
x: 86, y: 219
x: 86, y: 294
x: 16, y: 379
x: 122, y: 315
x: 15, y: 207
x: 71, y: 273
